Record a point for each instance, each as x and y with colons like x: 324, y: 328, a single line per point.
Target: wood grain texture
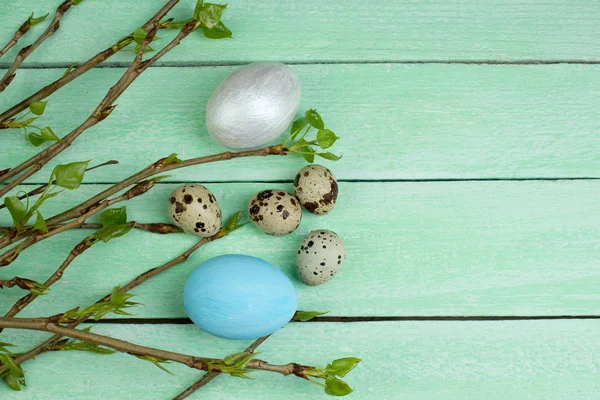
x: 533, y: 360
x: 436, y: 248
x: 336, y: 30
x: 395, y: 121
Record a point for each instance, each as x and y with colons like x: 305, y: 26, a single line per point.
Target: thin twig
x: 161, y: 228
x: 201, y: 363
x: 27, y: 50
x: 9, y: 256
x: 135, y: 282
x: 103, y: 110
x: 74, y: 73
x: 209, y: 376
x: 40, y: 189
x: 23, y: 29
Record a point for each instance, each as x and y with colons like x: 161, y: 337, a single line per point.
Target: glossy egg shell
x: 236, y: 296
x: 253, y: 106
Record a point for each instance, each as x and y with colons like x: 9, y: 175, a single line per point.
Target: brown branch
x: 135, y: 282
x: 75, y: 73
x: 104, y: 108
x: 27, y: 50
x: 9, y: 256
x: 201, y: 363
x: 154, y: 227
x: 23, y: 29
x: 209, y: 376
x: 40, y: 189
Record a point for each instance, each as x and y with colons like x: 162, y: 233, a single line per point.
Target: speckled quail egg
x: 194, y: 209
x: 275, y: 212
x: 320, y: 257
x: 316, y: 188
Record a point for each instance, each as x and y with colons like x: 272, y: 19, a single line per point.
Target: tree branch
x: 40, y: 189
x: 209, y: 376
x: 11, y: 255
x: 154, y: 227
x: 135, y: 282
x: 27, y: 50
x: 23, y: 29
x: 102, y: 111
x: 201, y: 363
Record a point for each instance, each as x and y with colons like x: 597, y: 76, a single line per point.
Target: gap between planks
x: 187, y: 321
x: 195, y: 64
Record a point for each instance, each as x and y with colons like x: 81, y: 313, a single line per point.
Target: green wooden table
x: 469, y: 195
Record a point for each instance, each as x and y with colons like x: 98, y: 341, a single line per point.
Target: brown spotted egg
x: 320, y: 257
x: 316, y: 188
x: 275, y: 212
x: 194, y: 209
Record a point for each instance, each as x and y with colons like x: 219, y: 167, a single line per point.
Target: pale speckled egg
x: 275, y: 212
x: 320, y: 257
x: 235, y: 296
x: 194, y: 209
x: 253, y: 106
x: 316, y: 188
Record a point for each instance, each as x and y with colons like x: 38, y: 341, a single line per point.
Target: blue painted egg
x: 239, y: 297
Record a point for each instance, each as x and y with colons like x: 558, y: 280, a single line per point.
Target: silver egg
x: 253, y: 106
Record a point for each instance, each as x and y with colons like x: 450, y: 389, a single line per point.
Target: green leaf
x: 198, y: 9
x: 70, y: 69
x: 37, y: 107
x: 209, y: 14
x: 12, y: 373
x: 70, y: 175
x: 297, y: 127
x: 326, y: 138
x: 307, y: 315
x: 139, y: 35
x: 329, y: 156
x: 3, y: 347
x: 110, y: 232
x: 308, y: 153
x: 138, y: 47
x: 337, y: 387
x: 114, y: 216
x: 231, y: 359
x: 48, y: 134
x: 16, y: 208
x: 40, y: 223
x: 172, y: 159
x: 342, y: 366
x: 219, y: 31
x: 76, y: 2
x: 81, y: 345
x: 34, y: 21
x: 234, y: 222
x: 156, y: 361
x: 23, y: 124
x: 314, y: 119
x: 35, y: 139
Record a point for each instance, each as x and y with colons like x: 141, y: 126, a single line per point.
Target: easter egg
x: 320, y: 257
x: 236, y: 296
x: 253, y: 106
x: 195, y: 210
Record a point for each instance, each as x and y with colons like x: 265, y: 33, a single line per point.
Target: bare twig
x: 9, y: 256
x: 209, y: 376
x: 201, y: 363
x: 135, y: 282
x: 27, y: 50
x: 74, y: 73
x: 40, y: 189
x: 103, y: 110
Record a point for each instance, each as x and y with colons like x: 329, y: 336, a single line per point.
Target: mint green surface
x: 505, y: 360
x: 431, y: 225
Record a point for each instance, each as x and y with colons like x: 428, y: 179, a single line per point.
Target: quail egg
x: 275, y: 212
x: 320, y: 257
x: 194, y: 209
x: 316, y: 188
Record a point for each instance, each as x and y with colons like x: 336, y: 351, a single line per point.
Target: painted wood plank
x: 434, y: 248
x: 407, y: 360
x: 396, y: 121
x: 311, y: 31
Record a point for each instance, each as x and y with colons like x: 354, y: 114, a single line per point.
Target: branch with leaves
x: 23, y: 29
x: 238, y: 365
x: 205, y: 15
x: 27, y: 50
